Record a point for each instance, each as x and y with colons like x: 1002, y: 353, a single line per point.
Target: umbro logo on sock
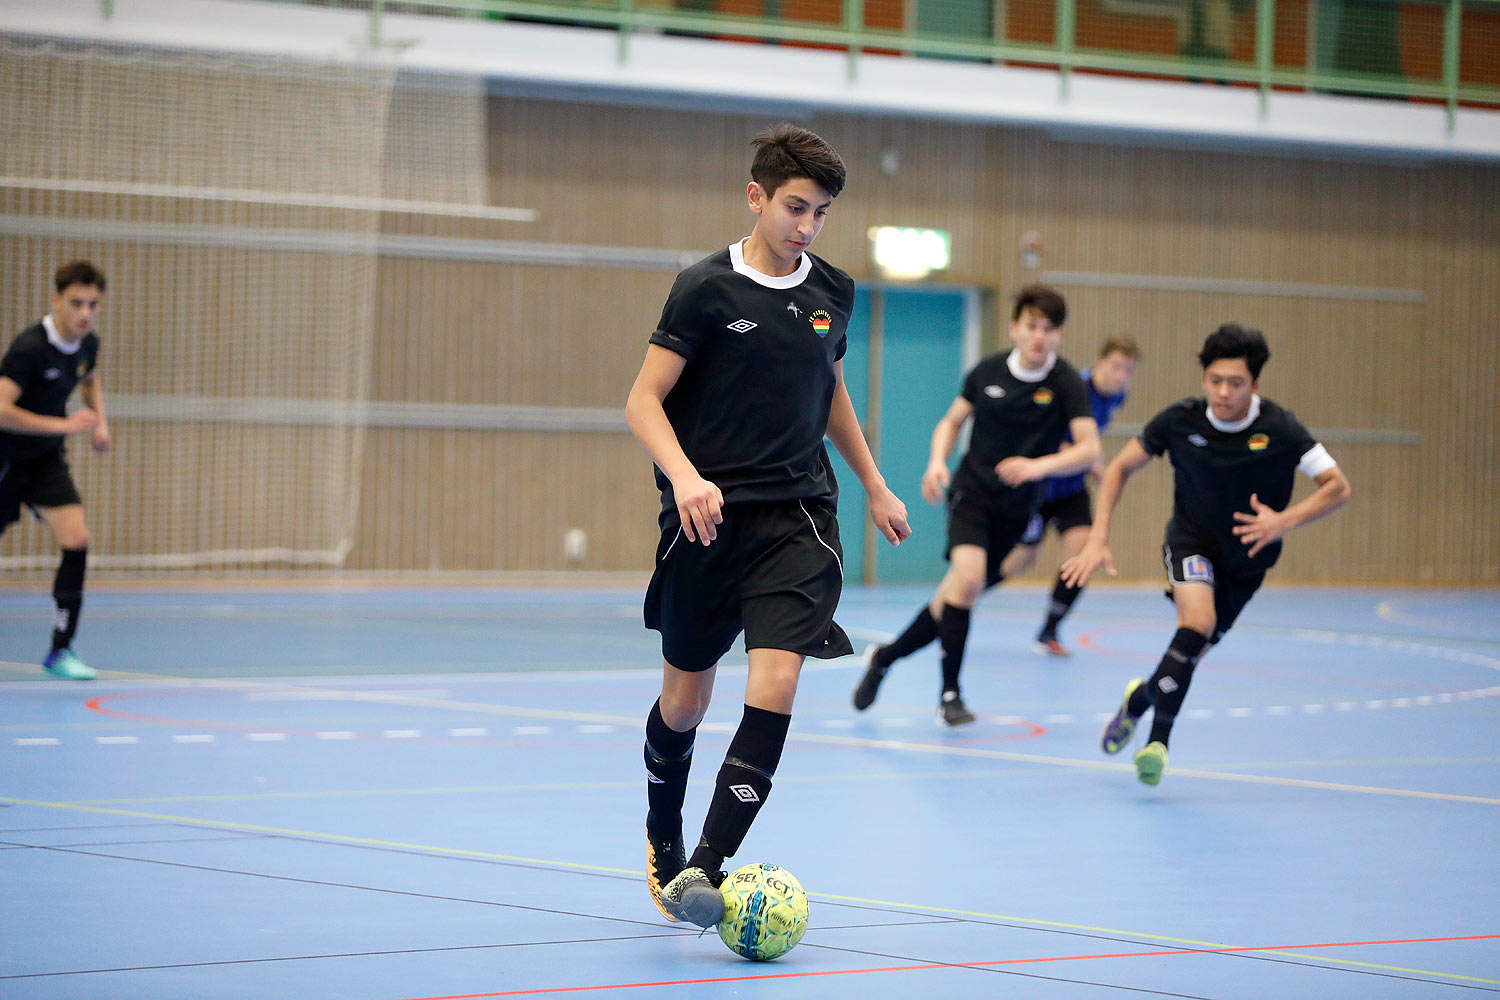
x: 745, y: 793
x: 1167, y: 685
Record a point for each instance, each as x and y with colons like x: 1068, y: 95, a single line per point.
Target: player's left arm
x: 91, y: 391
x: 886, y: 509
x: 1262, y: 525
x: 1070, y: 459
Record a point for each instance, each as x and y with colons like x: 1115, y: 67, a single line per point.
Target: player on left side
x: 39, y: 372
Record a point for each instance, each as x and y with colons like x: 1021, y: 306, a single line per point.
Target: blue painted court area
x: 393, y: 794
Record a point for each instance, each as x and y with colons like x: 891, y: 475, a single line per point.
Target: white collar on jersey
x: 56, y: 339
x: 737, y: 260
x: 1029, y: 376
x: 1238, y: 425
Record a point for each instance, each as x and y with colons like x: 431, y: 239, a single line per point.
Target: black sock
x: 67, y: 597
x: 922, y: 630
x: 954, y: 632
x: 1170, y: 682
x: 1063, y: 597
x: 742, y: 786
x: 669, y: 755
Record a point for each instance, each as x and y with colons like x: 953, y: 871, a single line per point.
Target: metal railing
x: 1377, y: 48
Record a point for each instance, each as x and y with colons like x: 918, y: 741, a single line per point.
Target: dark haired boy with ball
x: 1234, y: 456
x: 742, y: 379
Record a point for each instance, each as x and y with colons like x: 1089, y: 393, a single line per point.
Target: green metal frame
x: 850, y: 34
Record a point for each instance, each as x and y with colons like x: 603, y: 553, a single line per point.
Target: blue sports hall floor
x: 387, y: 793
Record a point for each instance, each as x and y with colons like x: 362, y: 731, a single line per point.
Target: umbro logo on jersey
x: 742, y: 326
x: 1198, y: 439
x: 994, y: 391
x: 744, y: 793
x: 791, y: 307
x: 51, y: 373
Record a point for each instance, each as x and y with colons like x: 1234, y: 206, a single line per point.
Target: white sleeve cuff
x: 1316, y: 462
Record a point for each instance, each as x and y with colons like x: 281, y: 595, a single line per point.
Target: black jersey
x: 1215, y: 470
x: 1013, y: 416
x: 751, y: 406
x: 47, y: 377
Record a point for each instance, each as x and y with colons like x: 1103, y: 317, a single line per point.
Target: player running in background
x: 1023, y: 401
x: 40, y: 370
x: 1234, y: 457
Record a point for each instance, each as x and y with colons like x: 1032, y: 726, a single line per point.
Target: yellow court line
x: 336, y: 837
x: 1099, y: 765
x: 488, y: 855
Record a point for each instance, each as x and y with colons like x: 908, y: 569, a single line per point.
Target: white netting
x: 235, y: 206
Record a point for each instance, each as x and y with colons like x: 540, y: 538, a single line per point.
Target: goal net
x: 235, y: 206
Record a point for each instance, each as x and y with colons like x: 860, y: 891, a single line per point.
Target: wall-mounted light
x: 907, y: 252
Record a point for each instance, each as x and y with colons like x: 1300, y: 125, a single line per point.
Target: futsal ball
x: 765, y: 912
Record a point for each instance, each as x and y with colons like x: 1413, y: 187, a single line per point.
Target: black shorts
x: 1063, y: 513
x: 1191, y: 559
x: 36, y: 481
x: 976, y: 518
x: 775, y: 572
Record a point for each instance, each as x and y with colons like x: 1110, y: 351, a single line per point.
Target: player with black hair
x: 742, y: 379
x: 1023, y: 403
x: 1234, y: 456
x: 38, y: 373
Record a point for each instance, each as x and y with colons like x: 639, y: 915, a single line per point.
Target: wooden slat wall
x: 672, y: 179
x: 478, y: 333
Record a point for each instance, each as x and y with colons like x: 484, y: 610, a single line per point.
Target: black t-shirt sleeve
x: 19, y: 365
x: 681, y: 325
x: 1075, y: 398
x: 1153, y: 436
x: 970, y: 389
x: 1305, y: 442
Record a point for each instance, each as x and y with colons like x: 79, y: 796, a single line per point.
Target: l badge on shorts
x: 1197, y: 569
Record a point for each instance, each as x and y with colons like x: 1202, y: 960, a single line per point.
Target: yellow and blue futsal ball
x: 765, y: 912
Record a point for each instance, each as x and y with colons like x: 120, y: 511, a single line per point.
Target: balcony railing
x: 1433, y: 51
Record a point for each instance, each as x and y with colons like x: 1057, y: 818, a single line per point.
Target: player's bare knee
x: 1198, y: 622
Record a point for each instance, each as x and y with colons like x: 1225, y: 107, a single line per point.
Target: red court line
x: 954, y: 965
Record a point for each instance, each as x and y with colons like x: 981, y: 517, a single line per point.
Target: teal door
x: 919, y: 338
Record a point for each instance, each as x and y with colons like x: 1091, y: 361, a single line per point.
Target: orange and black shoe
x: 665, y: 860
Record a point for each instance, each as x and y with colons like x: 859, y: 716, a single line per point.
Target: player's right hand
x: 701, y: 506
x: 81, y: 421
x: 935, y: 484
x: 1076, y: 571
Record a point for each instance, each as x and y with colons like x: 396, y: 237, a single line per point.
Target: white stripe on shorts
x: 820, y: 539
